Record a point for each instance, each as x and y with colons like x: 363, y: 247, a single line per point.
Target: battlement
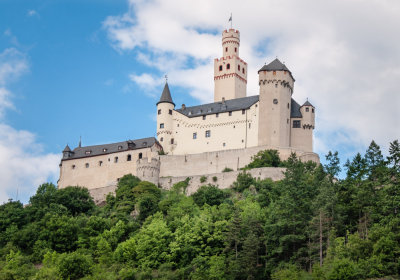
x: 230, y: 57
x: 148, y: 170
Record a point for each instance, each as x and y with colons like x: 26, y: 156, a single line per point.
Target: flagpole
x: 231, y: 20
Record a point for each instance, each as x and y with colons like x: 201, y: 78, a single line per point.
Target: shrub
x: 227, y: 169
x: 74, y: 265
x: 265, y: 158
x: 244, y: 181
x: 215, y: 179
x: 203, y: 179
x: 209, y: 194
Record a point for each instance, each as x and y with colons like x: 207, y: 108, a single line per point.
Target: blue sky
x: 95, y: 69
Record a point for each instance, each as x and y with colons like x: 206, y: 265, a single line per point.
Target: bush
x: 203, y: 179
x: 227, y: 169
x: 215, y: 179
x: 244, y: 181
x: 210, y: 195
x: 266, y: 158
x: 74, y: 265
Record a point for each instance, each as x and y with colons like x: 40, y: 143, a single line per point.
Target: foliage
x: 310, y: 225
x: 227, y: 169
x: 203, y: 179
x: 265, y: 158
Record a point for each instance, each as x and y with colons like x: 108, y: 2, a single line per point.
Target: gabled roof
x: 219, y: 107
x: 275, y: 65
x: 166, y: 96
x: 90, y: 151
x: 295, y: 110
x: 307, y: 104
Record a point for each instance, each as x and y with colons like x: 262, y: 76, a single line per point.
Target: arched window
x: 226, y: 49
x: 116, y: 159
x: 228, y: 66
x: 129, y: 158
x: 220, y: 68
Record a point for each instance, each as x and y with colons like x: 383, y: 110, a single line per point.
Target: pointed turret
x: 166, y: 96
x: 67, y: 153
x: 307, y: 103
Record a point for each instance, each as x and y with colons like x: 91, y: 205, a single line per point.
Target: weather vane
x: 166, y: 78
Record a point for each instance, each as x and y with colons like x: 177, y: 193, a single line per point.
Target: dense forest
x: 310, y: 225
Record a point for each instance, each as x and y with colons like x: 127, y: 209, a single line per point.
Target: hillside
x: 310, y: 225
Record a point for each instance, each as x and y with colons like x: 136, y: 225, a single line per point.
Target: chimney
x: 183, y: 106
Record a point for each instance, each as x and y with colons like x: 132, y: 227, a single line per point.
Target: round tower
x: 276, y: 88
x: 230, y: 71
x: 308, y: 124
x: 165, y: 111
x: 148, y: 170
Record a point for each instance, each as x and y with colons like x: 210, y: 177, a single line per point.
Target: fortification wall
x: 222, y: 180
x: 215, y: 162
x: 99, y: 194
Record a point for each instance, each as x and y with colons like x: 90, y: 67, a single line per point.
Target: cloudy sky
x: 95, y: 69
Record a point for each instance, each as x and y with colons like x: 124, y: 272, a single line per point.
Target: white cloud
x: 23, y: 164
x: 32, y: 13
x: 343, y: 54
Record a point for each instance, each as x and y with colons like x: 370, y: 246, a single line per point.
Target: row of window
x: 169, y: 111
x: 228, y: 66
x: 128, y: 158
x: 226, y: 49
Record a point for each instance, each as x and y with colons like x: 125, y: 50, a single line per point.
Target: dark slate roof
x: 166, y: 96
x: 67, y: 149
x: 219, y: 107
x: 307, y: 104
x: 295, y: 110
x: 275, y: 65
x: 90, y: 151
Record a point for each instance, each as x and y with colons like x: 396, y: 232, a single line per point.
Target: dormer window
x: 119, y: 147
x: 144, y: 144
x: 88, y: 152
x: 104, y: 150
x: 190, y: 113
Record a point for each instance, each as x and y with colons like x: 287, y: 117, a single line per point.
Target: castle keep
x: 205, y: 139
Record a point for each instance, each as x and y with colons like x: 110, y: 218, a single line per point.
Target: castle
x: 205, y: 139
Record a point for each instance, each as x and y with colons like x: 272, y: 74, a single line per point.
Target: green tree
x: 74, y: 265
x: 266, y: 158
x: 210, y: 194
x: 76, y: 199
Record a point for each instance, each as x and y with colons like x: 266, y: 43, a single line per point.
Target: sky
x: 95, y: 69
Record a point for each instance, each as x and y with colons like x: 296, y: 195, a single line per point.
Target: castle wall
x: 238, y: 131
x: 222, y: 180
x: 215, y: 162
x: 102, y: 170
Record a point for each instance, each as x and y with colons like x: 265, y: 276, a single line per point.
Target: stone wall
x: 223, y: 180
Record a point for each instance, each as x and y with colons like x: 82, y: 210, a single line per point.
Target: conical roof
x: 67, y: 149
x: 307, y: 104
x: 275, y: 65
x: 166, y: 96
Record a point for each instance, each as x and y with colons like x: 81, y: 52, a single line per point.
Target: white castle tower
x: 230, y: 72
x: 165, y: 109
x: 276, y: 88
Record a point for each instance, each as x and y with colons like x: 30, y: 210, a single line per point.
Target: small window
x: 161, y: 125
x: 177, y: 125
x: 144, y: 144
x: 230, y: 113
x: 129, y: 158
x: 194, y: 135
x: 116, y: 159
x: 312, y: 110
x: 223, y: 144
x: 217, y: 115
x: 162, y: 139
x: 140, y: 155
x: 119, y: 147
x: 307, y: 109
x: 190, y: 112
x: 239, y: 67
x: 172, y: 141
x: 226, y: 49
x: 104, y: 150
x: 274, y: 73
x: 100, y: 163
x: 73, y: 166
x: 88, y: 152
x: 235, y: 49
x: 204, y: 117
x: 276, y: 85
x: 249, y: 125
x: 288, y: 106
x: 243, y: 70
x: 275, y: 101
x: 208, y: 133
x: 228, y: 66
x: 220, y: 68
x: 287, y: 121
x: 87, y: 165
x: 296, y: 124
x: 159, y: 111
x: 243, y: 111
x: 170, y: 111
